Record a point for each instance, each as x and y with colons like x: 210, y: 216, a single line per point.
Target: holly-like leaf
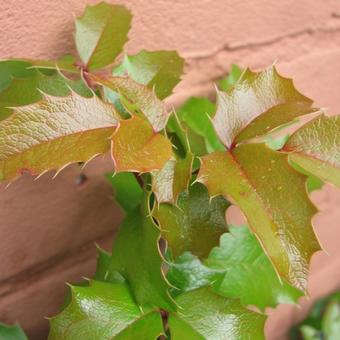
x: 128, y: 192
x: 316, y: 148
x: 137, y: 148
x: 136, y: 257
x: 28, y: 90
x: 273, y: 198
x: 53, y: 133
x: 205, y: 315
x: 11, y: 332
x: 172, y: 179
x: 258, y: 103
x: 189, y: 273
x: 104, y: 311
x: 230, y: 80
x: 159, y: 70
x: 245, y: 265
x: 195, y: 223
x: 138, y: 99
x: 101, y: 33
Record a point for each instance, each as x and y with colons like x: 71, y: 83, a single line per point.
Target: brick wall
x: 48, y: 227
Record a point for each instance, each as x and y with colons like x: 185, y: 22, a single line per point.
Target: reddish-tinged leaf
x: 136, y: 147
x: 53, y: 133
x: 172, y: 179
x: 316, y: 148
x: 258, y: 103
x: 142, y: 100
x: 160, y: 70
x: 273, y: 197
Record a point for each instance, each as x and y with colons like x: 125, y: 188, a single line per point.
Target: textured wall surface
x: 48, y: 227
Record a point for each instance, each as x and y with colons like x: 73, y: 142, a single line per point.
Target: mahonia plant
x: 177, y: 269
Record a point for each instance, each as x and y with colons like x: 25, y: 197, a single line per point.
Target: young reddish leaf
x: 53, y: 133
x: 159, y: 70
x: 104, y: 311
x: 142, y: 101
x: 135, y: 255
x: 137, y: 148
x: 258, y: 103
x: 206, y: 315
x: 172, y: 179
x: 316, y: 148
x: 195, y: 224
x: 101, y: 33
x: 273, y: 197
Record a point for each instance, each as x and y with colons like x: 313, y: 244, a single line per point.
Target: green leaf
x: 128, y: 192
x: 137, y: 148
x: 208, y: 316
x: 28, y: 90
x: 230, y: 80
x: 273, y: 198
x: 195, y: 115
x: 316, y: 148
x: 310, y: 333
x: 258, y: 103
x: 53, y: 133
x: 11, y: 332
x: 195, y: 223
x: 139, y: 99
x: 136, y: 257
x: 11, y: 68
x: 331, y: 321
x: 189, y: 273
x: 104, y: 311
x: 101, y: 33
x: 67, y: 63
x: 245, y: 264
x: 159, y: 70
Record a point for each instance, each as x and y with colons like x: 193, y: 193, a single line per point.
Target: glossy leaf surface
x: 101, y: 33
x: 316, y: 148
x: 258, y: 103
x: 249, y: 274
x: 53, y: 133
x: 136, y: 257
x: 139, y: 99
x: 104, y: 311
x: 159, y: 70
x: 195, y: 223
x: 137, y: 148
x: 273, y: 198
x: 206, y: 315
